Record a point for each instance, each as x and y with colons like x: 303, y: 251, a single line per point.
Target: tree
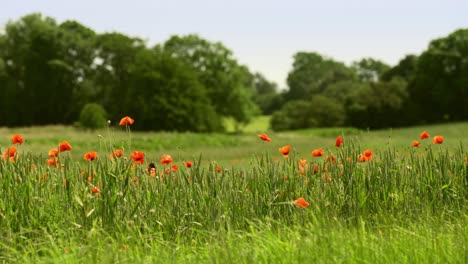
x: 266, y: 95
x: 169, y: 96
x: 440, y: 85
x: 228, y: 84
x: 370, y: 70
x: 312, y: 73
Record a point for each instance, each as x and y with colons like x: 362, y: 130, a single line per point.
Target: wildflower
x: 96, y: 190
x: 264, y: 137
x: 91, y: 155
x: 188, y: 164
x: 301, y: 202
x: 126, y: 121
x: 302, y: 163
x: 285, y: 150
x: 302, y: 170
x: 316, y: 168
x: 117, y: 153
x: 65, y: 146
x: 218, y: 168
x: 424, y: 135
x: 339, y: 141
x: 438, y: 139
x: 317, y: 152
x: 138, y: 157
x: 53, y: 161
x: 53, y: 152
x: 416, y: 143
x: 151, y: 167
x: 9, y: 152
x: 166, y: 159
x: 17, y: 139
x: 331, y: 158
x: 174, y: 167
x: 366, y: 156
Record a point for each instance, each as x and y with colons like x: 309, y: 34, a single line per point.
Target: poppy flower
x: 285, y: 150
x: 166, y: 159
x: 317, y: 152
x: 9, y: 152
x: 316, y: 168
x: 53, y: 161
x: 218, y: 168
x: 302, y: 163
x: 188, y: 164
x: 264, y: 137
x: 331, y: 158
x: 424, y: 135
x: 301, y: 202
x: 138, y: 157
x: 96, y: 190
x: 366, y: 156
x: 65, y: 146
x: 339, y: 141
x: 438, y: 139
x: 91, y: 155
x: 117, y: 153
x: 53, y: 152
x: 174, y: 167
x: 126, y: 121
x: 17, y: 139
x: 416, y: 143
x: 367, y: 153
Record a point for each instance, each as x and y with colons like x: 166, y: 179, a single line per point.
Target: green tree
x: 228, y: 84
x: 369, y: 69
x: 312, y: 73
x: 93, y: 116
x: 266, y: 94
x: 440, y: 85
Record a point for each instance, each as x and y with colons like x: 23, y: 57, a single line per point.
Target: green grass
x: 407, y: 205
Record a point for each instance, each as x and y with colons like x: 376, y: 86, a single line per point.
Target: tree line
x: 51, y: 73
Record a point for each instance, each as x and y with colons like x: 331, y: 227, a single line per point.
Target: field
x: 238, y: 202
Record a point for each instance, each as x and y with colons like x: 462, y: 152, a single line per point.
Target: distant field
x: 223, y: 148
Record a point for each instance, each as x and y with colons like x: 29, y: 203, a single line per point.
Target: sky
x: 265, y: 34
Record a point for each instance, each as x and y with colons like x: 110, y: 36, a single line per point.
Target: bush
x: 93, y: 116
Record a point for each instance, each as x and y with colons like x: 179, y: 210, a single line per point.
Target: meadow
x: 239, y: 201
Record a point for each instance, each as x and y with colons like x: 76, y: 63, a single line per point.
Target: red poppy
x: 118, y: 153
x: 366, y: 156
x: 331, y: 158
x: 188, y: 164
x: 17, y: 139
x: 301, y: 202
x: 138, y: 157
x: 285, y: 150
x: 91, y: 155
x: 424, y: 135
x: 9, y: 152
x: 126, y: 121
x: 317, y: 152
x: 316, y: 168
x: 53, y: 161
x: 264, y: 137
x: 416, y: 143
x: 302, y: 163
x: 174, y: 167
x: 218, y: 168
x: 339, y: 141
x: 65, y: 146
x: 96, y: 190
x: 166, y: 159
x: 438, y: 139
x: 53, y: 152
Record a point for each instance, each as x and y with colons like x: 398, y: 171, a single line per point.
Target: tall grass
x: 405, y: 205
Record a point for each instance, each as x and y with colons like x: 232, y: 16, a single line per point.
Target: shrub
x: 93, y: 116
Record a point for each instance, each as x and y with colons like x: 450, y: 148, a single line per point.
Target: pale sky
x: 265, y: 34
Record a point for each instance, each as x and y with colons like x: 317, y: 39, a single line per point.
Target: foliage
x: 93, y: 116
